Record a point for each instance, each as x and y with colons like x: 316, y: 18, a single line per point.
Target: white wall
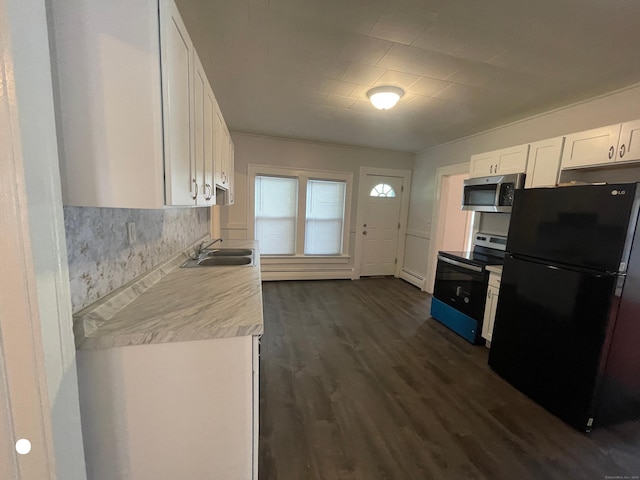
x: 299, y: 154
x: 619, y: 106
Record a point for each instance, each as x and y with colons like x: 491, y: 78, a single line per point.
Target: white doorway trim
x: 437, y: 224
x: 404, y: 214
x: 24, y: 403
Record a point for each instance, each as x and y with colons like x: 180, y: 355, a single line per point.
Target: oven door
x: 462, y: 286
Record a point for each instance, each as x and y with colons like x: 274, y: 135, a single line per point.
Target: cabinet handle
x: 208, y: 188
x: 622, y: 150
x: 611, y: 152
x: 195, y: 195
x: 491, y: 169
x: 489, y: 294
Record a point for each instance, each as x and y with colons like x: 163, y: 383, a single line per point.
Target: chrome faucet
x: 203, y: 246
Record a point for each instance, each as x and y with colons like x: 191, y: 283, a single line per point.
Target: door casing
x: 404, y: 214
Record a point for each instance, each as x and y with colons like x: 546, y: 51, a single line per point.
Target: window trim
x: 303, y: 175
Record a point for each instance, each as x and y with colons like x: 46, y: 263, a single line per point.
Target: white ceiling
x: 301, y: 68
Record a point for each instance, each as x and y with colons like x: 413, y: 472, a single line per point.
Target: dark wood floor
x: 358, y: 383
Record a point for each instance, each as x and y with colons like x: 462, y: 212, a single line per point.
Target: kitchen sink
x: 224, y: 257
x: 211, y: 261
x: 229, y: 252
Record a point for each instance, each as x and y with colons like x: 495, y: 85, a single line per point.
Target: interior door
x: 381, y: 225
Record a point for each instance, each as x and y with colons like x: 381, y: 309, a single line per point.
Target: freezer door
x: 549, y: 334
x: 585, y: 226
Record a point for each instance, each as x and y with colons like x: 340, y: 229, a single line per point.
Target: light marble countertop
x: 495, y: 269
x: 173, y: 304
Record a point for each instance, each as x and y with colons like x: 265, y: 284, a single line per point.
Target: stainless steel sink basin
x: 211, y: 261
x: 230, y: 252
x: 228, y: 257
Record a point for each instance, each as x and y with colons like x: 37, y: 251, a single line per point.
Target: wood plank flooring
x: 358, y: 383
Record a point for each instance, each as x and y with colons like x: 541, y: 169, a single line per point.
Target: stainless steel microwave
x: 491, y: 194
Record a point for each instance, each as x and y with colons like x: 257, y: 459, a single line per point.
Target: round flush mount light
x: 384, y: 98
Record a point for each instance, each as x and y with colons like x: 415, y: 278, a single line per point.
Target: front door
x: 381, y: 225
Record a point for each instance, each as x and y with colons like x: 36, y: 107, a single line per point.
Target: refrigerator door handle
x: 558, y: 266
x: 473, y: 268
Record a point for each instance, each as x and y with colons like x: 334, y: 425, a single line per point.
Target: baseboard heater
x: 413, y: 274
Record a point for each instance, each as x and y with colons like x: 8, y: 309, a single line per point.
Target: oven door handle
x: 473, y: 268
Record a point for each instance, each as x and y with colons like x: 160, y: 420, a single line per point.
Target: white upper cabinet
x: 219, y: 139
x: 230, y: 189
x: 591, y: 147
x: 543, y: 165
x: 199, y: 87
x: 179, y: 109
x: 499, y: 162
x: 209, y: 147
x: 629, y: 144
x: 203, y: 143
x: 603, y: 146
x: 135, y: 115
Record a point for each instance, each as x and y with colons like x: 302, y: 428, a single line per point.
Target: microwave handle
x: 473, y: 268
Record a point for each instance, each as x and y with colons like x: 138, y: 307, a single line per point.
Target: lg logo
x: 618, y: 192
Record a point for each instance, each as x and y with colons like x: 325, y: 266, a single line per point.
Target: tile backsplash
x: 100, y: 256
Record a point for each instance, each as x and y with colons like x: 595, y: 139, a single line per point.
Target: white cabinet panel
x: 629, y: 144
x: 209, y: 157
x: 170, y: 410
x: 482, y: 165
x: 512, y: 160
x: 203, y: 143
x: 591, y: 147
x: 199, y: 88
x: 135, y: 106
x: 499, y: 162
x: 230, y: 187
x: 219, y: 151
x: 490, y: 306
x: 181, y: 187
x: 543, y: 165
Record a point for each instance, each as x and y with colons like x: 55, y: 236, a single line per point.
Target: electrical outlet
x: 131, y: 232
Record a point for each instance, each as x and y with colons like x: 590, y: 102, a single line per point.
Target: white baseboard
x: 336, y: 274
x: 412, y: 277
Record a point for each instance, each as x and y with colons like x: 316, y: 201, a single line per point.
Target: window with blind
x: 276, y: 215
x: 325, y: 217
x: 300, y: 212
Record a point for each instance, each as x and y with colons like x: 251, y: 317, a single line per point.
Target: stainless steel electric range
x: 460, y: 289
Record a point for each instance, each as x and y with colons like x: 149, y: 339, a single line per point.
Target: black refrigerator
x: 567, y: 327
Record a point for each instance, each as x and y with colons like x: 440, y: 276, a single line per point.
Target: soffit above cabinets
x: 301, y: 68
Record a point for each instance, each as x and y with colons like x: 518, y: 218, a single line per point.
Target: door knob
x: 364, y: 233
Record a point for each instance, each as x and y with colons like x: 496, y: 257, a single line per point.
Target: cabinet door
x: 218, y: 138
x: 490, y: 312
x: 512, y: 160
x: 231, y: 183
x: 591, y: 147
x: 209, y: 157
x: 199, y: 87
x: 225, y: 156
x: 629, y: 146
x: 543, y: 165
x: 178, y: 115
x: 482, y: 165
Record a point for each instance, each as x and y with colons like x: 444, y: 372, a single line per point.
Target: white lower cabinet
x: 171, y: 410
x: 490, y: 306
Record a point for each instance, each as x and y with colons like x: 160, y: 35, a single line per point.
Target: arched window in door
x: 382, y: 190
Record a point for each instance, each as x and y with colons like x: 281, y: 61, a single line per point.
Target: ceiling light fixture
x: 384, y: 98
